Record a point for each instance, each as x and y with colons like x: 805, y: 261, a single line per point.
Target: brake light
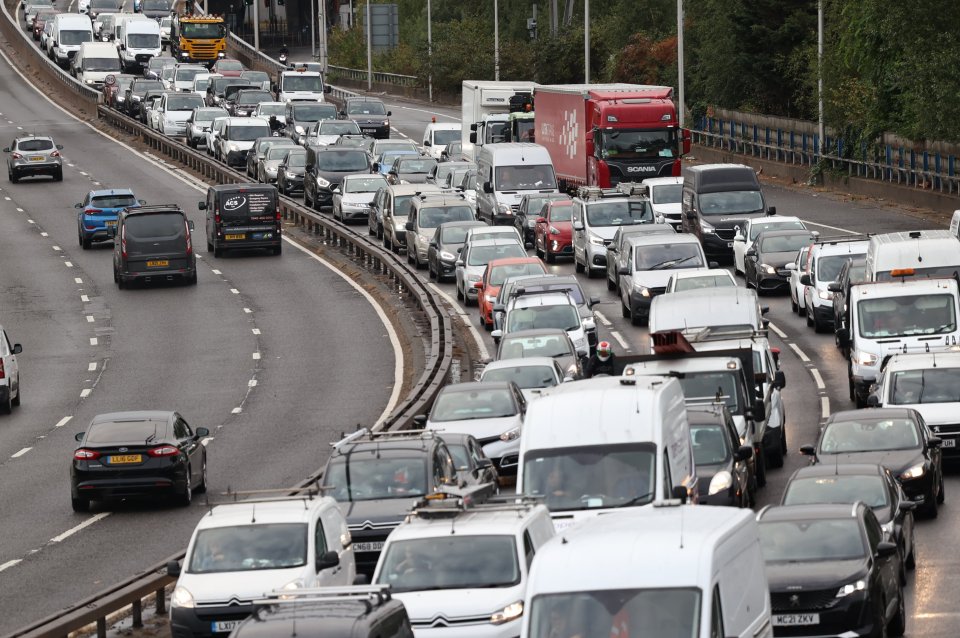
x: 17, y: 156
x: 163, y: 450
x: 123, y: 242
x: 902, y: 272
x: 84, y: 454
x: 189, y: 240
x: 2, y: 373
x: 278, y: 214
x: 216, y: 214
x: 92, y: 211
x: 55, y: 154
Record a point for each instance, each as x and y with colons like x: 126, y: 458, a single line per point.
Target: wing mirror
x: 487, y: 187
x: 772, y: 210
x: 779, y: 380
x: 173, y: 569
x: 886, y: 548
x: 805, y: 280
x: 409, y: 226
x: 78, y: 436
x: 680, y: 492
x: 17, y: 348
x: 623, y: 270
x: 750, y: 253
x: 808, y: 450
x: 202, y: 432
x: 420, y: 421
x: 593, y: 301
x: 202, y: 205
x: 834, y: 286
x: 328, y: 560
x: 743, y: 453
x: 78, y: 205
x: 578, y: 225
x: 541, y: 220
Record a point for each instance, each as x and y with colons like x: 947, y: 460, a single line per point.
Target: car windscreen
x: 730, y: 202
x: 666, y: 193
x: 338, y: 127
x: 570, y: 287
x: 453, y: 235
x: 661, y: 612
x: 75, y: 37
x: 362, y: 479
x: 220, y: 85
x: 342, y: 161
x: 246, y: 132
x: 113, y: 201
x: 146, y: 86
x: 386, y: 146
x: 103, y: 5
x: 442, y: 138
x: 255, y: 76
x: 466, y: 405
x: 669, y: 256
x: 784, y: 243
x: 159, y: 62
x: 363, y: 184
x: 186, y: 102
x: 204, y: 115
x: 143, y: 41
x: 482, y: 255
x: 869, y: 435
x: 622, y: 144
x: 525, y: 177
x: 931, y: 385
x: 298, y: 160
x: 811, y: 540
x: 711, y: 445
x: 540, y: 346
x: 499, y: 273
x: 242, y: 548
x: 415, y: 165
x: 563, y: 316
x: 592, y: 476
x: 206, y: 31
x: 709, y: 387
x: 186, y: 74
x: 266, y: 110
x: 141, y: 432
x: 155, y: 5
x: 561, y: 213
x: 433, y: 217
x: 309, y: 83
x: 907, y: 316
x: 624, y: 212
x: 35, y: 145
x: 233, y: 91
x: 839, y: 488
x: 277, y: 152
x: 705, y: 281
x: 463, y: 561
x: 253, y: 97
x: 366, y: 108
x: 526, y: 377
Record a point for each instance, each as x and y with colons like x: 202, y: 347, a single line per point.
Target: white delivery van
x: 732, y: 308
x: 595, y: 446
x: 505, y: 173
x: 824, y: 261
x: 70, y: 30
x: 955, y: 224
x: 928, y: 253
x: 437, y: 135
x: 666, y: 571
x: 138, y: 39
x: 94, y: 62
x: 301, y: 86
x: 892, y: 317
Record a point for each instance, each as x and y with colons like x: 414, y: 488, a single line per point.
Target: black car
x: 723, y: 464
x: 525, y: 218
x: 290, y: 172
x: 443, y: 248
x: 367, y: 611
x: 146, y: 453
x: 765, y: 264
x: 376, y: 477
x: 136, y: 95
x: 408, y: 169
x: 232, y: 93
x: 853, y: 271
x: 301, y: 116
x: 897, y: 438
x: 830, y: 572
x: 259, y: 151
x: 246, y: 100
x: 154, y: 243
x: 325, y: 169
x: 849, y: 483
x: 370, y: 115
x: 472, y: 464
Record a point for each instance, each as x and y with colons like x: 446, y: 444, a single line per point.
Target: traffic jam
x: 594, y: 478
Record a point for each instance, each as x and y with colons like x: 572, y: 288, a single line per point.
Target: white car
x: 665, y: 198
x: 745, y: 237
x: 200, y: 83
x: 10, y: 380
x: 534, y: 376
x: 266, y: 109
x: 351, y: 201
x: 211, y: 135
x: 697, y: 279
x: 797, y: 270
x: 199, y: 123
x: 545, y: 310
x: 184, y: 74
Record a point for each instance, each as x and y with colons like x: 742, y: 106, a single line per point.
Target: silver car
x: 200, y: 122
x: 33, y: 155
x: 268, y: 164
x: 10, y: 381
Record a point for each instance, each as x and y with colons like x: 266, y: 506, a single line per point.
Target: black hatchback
x: 155, y: 244
x: 326, y: 167
x: 146, y: 453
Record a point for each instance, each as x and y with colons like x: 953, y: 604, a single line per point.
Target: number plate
x: 231, y: 237
x: 793, y: 620
x: 223, y: 626
x: 949, y: 442
x: 157, y: 263
x: 111, y: 222
x: 368, y: 547
x: 729, y: 244
x: 120, y: 459
x: 37, y: 158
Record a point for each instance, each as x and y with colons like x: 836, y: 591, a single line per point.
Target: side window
x: 475, y: 453
x: 438, y: 469
x: 528, y: 549
x: 319, y: 539
x: 667, y: 477
x: 874, y: 532
x: 180, y: 429
x: 577, y: 212
x: 688, y: 200
x: 716, y: 615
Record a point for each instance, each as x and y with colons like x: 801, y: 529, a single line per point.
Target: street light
x: 586, y: 41
x: 429, y: 56
x: 496, y: 40
x: 680, y: 58
x: 820, y: 73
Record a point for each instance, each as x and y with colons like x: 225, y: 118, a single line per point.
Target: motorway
x: 192, y: 349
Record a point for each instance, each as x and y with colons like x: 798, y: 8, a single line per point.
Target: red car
x: 493, y: 277
x: 553, y: 231
x: 40, y: 20
x: 228, y: 68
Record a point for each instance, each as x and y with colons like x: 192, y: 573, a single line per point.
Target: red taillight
x: 123, y: 242
x: 2, y: 373
x: 55, y: 154
x: 84, y: 454
x: 163, y: 450
x: 216, y: 214
x: 278, y: 215
x: 189, y: 240
x: 16, y: 156
x: 91, y: 211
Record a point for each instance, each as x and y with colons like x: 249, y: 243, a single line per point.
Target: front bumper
x: 596, y: 256
x: 563, y: 247
x: 640, y: 304
x: 446, y: 268
x: 773, y: 283
x: 199, y: 622
x: 355, y: 214
x: 716, y: 246
x: 824, y: 313
x: 467, y: 629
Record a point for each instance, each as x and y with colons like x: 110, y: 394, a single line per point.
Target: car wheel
x: 7, y: 406
x: 636, y: 319
x: 209, y: 246
x: 776, y: 457
x: 818, y: 326
x: 898, y: 624
x: 192, y: 279
x: 577, y: 265
x: 810, y: 320
x: 85, y: 242
x: 58, y: 176
x: 430, y: 273
x: 611, y: 285
x: 185, y: 497
x: 278, y: 250
x: 551, y: 258
x: 79, y: 504
x: 459, y: 293
x: 589, y: 272
x: 624, y: 310
x: 940, y: 495
x: 217, y: 251
x: 15, y: 402
x: 13, y: 177
x: 202, y: 486
x: 794, y: 306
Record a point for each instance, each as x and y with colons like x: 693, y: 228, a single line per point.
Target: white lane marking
x: 83, y: 173
x: 30, y: 221
x: 56, y: 247
x: 44, y: 235
x: 247, y: 310
x: 842, y: 230
x: 623, y: 343
x: 256, y: 331
x: 10, y: 563
x: 399, y: 132
x: 92, y: 366
x: 77, y: 280
x: 818, y: 379
x: 236, y: 411
x: 68, y: 264
x: 800, y: 353
x: 85, y: 393
x: 235, y: 291
x: 215, y: 271
x: 252, y: 383
x: 93, y: 341
x: 408, y: 108
x: 394, y: 339
x: 780, y: 333
x: 603, y: 319
x: 17, y: 455
x: 19, y: 210
x: 62, y: 422
x: 824, y: 407
x: 256, y: 355
x: 84, y: 299
x: 481, y: 347
x: 90, y: 319
x: 73, y: 530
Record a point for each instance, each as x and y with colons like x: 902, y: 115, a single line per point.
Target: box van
x: 601, y: 444
x: 94, y: 62
x: 437, y: 135
x: 505, y: 173
x: 155, y: 242
x: 930, y: 253
x: 238, y: 137
x: 138, y: 38
x: 716, y: 200
x: 892, y: 317
x: 70, y: 30
x: 670, y: 570
x: 242, y: 216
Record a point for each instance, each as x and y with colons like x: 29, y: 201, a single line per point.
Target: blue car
x: 385, y: 161
x: 97, y: 214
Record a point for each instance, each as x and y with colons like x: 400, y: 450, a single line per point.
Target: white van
x: 437, y: 135
x: 732, y: 308
x: 301, y: 86
x: 94, y: 62
x: 70, y: 30
x: 506, y: 172
x: 594, y: 446
x: 138, y: 38
x: 927, y: 253
x: 666, y: 571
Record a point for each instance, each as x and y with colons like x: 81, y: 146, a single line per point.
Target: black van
x: 330, y: 612
x: 242, y: 216
x: 153, y: 243
x: 716, y: 200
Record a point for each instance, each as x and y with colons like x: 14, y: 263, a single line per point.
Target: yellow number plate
x: 158, y: 263
x: 229, y: 237
x: 111, y: 222
x: 36, y: 158
x: 125, y: 458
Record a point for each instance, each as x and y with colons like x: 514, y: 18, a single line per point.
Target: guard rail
x: 377, y: 77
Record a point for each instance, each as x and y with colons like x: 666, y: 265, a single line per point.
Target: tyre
x: 636, y: 319
x: 761, y: 469
x: 277, y: 250
x: 85, y: 242
x: 202, y: 486
x: 809, y: 319
x: 898, y: 624
x: 185, y: 497
x: 58, y: 176
x: 14, y: 178
x: 192, y: 279
x: 775, y: 458
x: 624, y: 310
x: 537, y: 251
x: 611, y: 285
x: 794, y: 306
x: 589, y: 272
x: 459, y: 293
x: 7, y: 406
x: 217, y: 251
x: 818, y: 326
x: 15, y: 402
x: 209, y: 246
x: 931, y: 508
x: 577, y: 265
x: 430, y: 273
x: 551, y: 258
x: 79, y: 504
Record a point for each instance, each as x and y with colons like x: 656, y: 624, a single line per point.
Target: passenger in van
x: 559, y: 624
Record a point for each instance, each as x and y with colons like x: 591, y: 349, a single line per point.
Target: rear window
x: 248, y: 205
x: 35, y: 145
x: 346, y: 161
x: 156, y: 226
x: 126, y: 431
x: 114, y: 201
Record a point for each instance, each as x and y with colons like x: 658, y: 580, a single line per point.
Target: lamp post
x: 680, y: 59
x: 369, y: 50
x: 820, y: 74
x: 496, y: 40
x: 586, y: 41
x: 313, y: 27
x: 429, y: 55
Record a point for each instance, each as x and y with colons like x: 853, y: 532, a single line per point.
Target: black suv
x: 370, y: 114
x: 376, y: 477
x: 830, y: 571
x: 347, y: 612
x: 153, y: 243
x: 326, y: 167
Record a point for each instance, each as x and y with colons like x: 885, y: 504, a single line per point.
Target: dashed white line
x: 17, y: 455
x: 623, y: 343
x: 56, y: 247
x: 818, y: 379
x: 62, y: 422
x: 235, y: 291
x: 73, y: 530
x: 44, y: 235
x: 19, y: 210
x: 30, y: 221
x: 256, y: 331
x: 252, y: 383
x: 247, y: 310
x: 824, y: 407
x: 256, y: 355
x: 603, y: 319
x: 68, y: 264
x: 83, y: 172
x: 77, y: 280
x: 90, y: 319
x: 236, y: 410
x: 84, y: 299
x: 780, y: 333
x: 93, y: 341
x: 10, y: 563
x: 6, y: 198
x: 215, y: 271
x: 85, y: 393
x: 92, y: 366
x: 800, y: 353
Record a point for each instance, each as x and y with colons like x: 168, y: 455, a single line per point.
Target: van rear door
x: 248, y: 217
x: 156, y: 242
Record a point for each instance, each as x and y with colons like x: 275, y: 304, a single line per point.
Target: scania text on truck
x: 485, y: 112
x: 602, y: 134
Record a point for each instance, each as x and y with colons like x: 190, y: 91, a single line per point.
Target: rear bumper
x: 45, y: 168
x: 97, y: 489
x: 186, y: 273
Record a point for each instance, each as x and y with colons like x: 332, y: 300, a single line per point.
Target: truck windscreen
x: 202, y: 30
x: 648, y: 145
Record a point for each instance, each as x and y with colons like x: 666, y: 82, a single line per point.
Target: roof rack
x: 623, y: 189
x: 674, y: 341
x: 451, y: 501
x: 371, y: 594
x: 379, y: 436
x: 520, y: 291
x: 303, y: 493
x: 840, y: 239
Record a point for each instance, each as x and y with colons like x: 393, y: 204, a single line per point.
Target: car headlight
x: 707, y: 228
x: 402, y: 226
x: 531, y: 223
x: 888, y: 530
x: 554, y: 230
x: 510, y: 435
x: 770, y: 270
x: 290, y: 175
x: 865, y: 358
x: 508, y: 613
x: 589, y: 323
x: 720, y: 482
x: 473, y: 277
x: 914, y: 472
x: 504, y: 209
x: 852, y: 588
x: 826, y: 295
x: 386, y: 122
x: 446, y: 256
x: 572, y: 370
x: 322, y: 183
x: 182, y: 598
x: 221, y: 54
x: 298, y: 129
x: 643, y: 290
x: 596, y: 241
x: 88, y: 81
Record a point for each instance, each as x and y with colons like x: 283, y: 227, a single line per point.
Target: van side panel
x: 744, y: 593
x: 676, y: 440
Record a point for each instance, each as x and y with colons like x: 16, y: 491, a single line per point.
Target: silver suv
x: 34, y: 155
